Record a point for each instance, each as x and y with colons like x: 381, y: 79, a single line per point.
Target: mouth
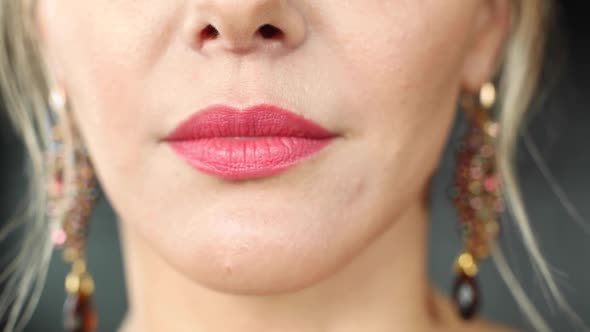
x: 260, y: 141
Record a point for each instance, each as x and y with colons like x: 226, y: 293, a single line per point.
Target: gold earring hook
x: 487, y: 95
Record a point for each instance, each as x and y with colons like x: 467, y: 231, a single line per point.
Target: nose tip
x: 246, y: 25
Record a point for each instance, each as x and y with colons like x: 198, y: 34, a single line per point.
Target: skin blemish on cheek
x: 354, y: 189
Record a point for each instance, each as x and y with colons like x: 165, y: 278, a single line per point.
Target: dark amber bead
x: 79, y: 314
x: 466, y: 295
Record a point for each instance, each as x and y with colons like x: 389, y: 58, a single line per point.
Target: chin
x: 263, y: 256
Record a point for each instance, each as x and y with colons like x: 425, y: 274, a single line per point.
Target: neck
x: 385, y: 288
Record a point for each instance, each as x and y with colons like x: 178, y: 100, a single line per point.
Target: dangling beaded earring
x: 71, y: 199
x: 476, y: 196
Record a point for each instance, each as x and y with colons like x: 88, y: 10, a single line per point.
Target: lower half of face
x: 383, y: 79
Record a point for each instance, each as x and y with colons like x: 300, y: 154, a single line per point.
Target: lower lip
x: 243, y: 158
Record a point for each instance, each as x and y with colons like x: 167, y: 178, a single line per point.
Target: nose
x: 243, y: 26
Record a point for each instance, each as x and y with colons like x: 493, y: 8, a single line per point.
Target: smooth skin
x: 336, y: 244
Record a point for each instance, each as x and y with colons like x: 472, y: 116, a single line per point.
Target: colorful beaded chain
x: 71, y: 199
x: 476, y: 196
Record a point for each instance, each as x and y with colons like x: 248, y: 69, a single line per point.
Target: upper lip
x: 255, y: 121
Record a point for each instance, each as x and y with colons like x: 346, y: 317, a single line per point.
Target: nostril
x: 268, y: 31
x: 209, y: 32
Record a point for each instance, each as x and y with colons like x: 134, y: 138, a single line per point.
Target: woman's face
x: 383, y: 75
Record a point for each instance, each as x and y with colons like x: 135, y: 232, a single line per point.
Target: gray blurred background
x: 559, y: 126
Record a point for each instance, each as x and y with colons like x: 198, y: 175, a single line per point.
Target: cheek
x: 105, y: 54
x: 400, y: 78
x: 403, y: 58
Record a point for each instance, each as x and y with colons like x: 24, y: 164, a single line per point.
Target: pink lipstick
x: 259, y: 141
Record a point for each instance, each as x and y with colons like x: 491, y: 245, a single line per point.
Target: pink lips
x: 260, y: 141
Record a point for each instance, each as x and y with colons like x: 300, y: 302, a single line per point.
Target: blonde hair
x: 24, y: 91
